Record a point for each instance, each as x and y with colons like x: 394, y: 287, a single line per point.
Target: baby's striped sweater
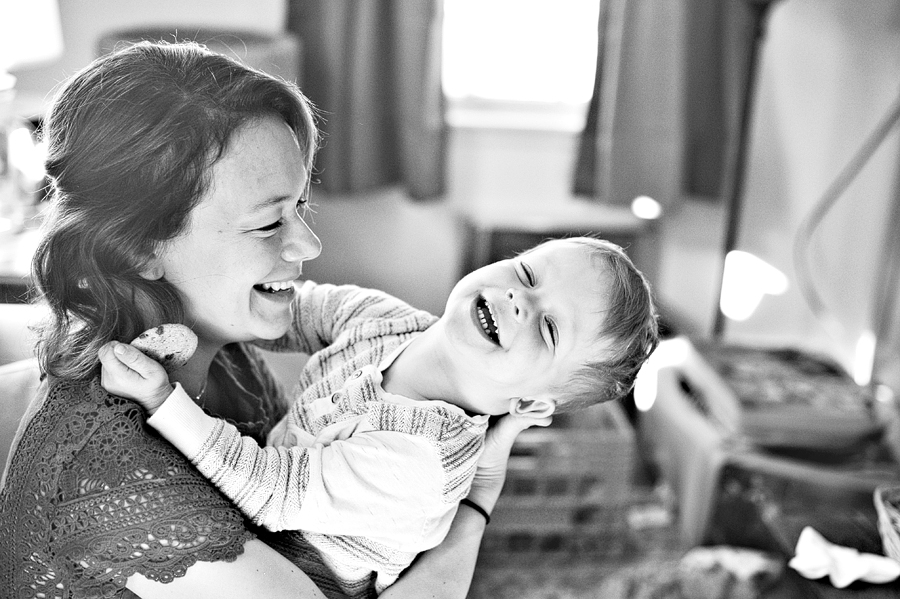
x: 369, y: 479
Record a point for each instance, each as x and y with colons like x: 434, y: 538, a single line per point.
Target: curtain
x: 372, y: 67
x: 667, y: 98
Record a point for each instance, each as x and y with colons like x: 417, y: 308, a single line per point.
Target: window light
x: 520, y: 50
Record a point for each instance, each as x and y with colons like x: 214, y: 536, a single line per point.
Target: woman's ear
x: 532, y: 408
x: 153, y: 270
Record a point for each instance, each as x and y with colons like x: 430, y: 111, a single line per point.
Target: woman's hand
x: 128, y: 373
x: 491, y: 472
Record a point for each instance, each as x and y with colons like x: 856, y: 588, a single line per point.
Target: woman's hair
x: 131, y: 140
x: 630, y: 329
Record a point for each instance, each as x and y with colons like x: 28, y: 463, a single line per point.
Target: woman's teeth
x: 275, y: 287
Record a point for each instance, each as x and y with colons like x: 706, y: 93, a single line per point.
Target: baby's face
x: 522, y: 327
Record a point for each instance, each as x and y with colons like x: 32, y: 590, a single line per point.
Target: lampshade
x: 30, y: 34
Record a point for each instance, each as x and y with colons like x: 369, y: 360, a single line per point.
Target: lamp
x: 30, y: 35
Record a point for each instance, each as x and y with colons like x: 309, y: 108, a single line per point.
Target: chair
x: 19, y: 372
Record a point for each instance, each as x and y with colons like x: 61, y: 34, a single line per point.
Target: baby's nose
x: 517, y: 300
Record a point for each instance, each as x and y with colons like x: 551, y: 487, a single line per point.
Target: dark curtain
x: 713, y: 40
x: 372, y: 67
x: 593, y: 161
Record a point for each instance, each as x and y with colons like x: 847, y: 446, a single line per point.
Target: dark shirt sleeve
x: 93, y: 495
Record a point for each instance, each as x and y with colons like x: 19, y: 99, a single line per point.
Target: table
x: 733, y: 489
x: 767, y: 512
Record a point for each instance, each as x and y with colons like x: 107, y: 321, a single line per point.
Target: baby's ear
x: 533, y: 408
x: 153, y: 269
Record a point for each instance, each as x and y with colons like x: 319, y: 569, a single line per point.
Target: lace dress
x: 93, y: 495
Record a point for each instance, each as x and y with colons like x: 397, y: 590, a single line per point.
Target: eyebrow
x: 269, y: 203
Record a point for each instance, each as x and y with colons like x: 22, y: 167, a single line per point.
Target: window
x: 520, y: 50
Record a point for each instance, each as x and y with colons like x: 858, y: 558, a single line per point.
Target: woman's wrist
x: 486, y: 488
x: 474, y: 506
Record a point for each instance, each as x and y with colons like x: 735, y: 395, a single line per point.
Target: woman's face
x: 246, y: 241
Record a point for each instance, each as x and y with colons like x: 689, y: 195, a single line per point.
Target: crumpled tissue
x: 816, y: 557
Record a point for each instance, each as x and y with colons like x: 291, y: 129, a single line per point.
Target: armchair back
x: 19, y: 372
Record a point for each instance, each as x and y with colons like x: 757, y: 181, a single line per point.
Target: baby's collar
x: 378, y: 379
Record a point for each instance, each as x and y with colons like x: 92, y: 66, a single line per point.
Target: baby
x: 380, y: 447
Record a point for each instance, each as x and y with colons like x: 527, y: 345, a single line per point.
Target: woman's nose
x: 301, y: 244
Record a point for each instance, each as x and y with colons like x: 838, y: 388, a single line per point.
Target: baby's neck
x: 419, y: 373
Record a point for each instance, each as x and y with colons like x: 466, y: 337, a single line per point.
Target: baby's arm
x: 127, y: 372
x: 308, y: 488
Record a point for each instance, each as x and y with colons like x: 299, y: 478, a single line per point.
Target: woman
x: 180, y: 180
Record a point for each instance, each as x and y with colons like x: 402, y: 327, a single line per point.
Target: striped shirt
x: 369, y: 478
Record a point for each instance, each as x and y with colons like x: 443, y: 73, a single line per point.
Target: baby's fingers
x: 135, y: 360
x: 112, y: 362
x: 116, y: 376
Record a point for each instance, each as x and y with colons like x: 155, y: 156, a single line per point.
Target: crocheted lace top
x: 94, y: 495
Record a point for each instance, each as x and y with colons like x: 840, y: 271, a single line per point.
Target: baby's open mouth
x: 486, y: 319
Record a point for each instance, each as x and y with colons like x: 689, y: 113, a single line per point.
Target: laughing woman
x: 180, y: 181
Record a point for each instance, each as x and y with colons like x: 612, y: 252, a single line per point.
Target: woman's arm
x: 258, y: 572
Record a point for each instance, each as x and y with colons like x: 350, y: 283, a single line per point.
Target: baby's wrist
x: 159, y: 398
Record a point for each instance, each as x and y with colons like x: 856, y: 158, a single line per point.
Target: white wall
x: 84, y: 21
x: 384, y: 240
x: 830, y: 70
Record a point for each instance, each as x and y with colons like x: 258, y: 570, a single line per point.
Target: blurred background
x: 458, y: 131
x: 518, y: 77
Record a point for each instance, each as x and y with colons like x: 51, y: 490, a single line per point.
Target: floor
x: 614, y: 565
x: 630, y: 550
x: 622, y: 549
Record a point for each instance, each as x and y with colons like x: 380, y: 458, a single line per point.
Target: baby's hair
x: 630, y: 329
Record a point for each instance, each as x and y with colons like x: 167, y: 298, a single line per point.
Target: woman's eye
x: 272, y: 226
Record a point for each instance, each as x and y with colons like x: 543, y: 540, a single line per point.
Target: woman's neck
x: 193, y: 375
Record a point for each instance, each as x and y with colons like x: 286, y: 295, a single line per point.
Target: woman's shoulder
x: 116, y: 496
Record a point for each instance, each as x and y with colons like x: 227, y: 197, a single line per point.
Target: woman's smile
x: 237, y: 269
x: 281, y: 292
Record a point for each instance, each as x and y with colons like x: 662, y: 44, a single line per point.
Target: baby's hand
x: 128, y: 373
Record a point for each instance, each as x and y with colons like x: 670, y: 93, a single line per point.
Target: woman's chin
x: 273, y: 318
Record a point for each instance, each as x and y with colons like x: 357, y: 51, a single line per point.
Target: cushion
x: 19, y: 382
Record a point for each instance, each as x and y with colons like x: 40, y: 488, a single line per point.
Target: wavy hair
x: 630, y: 328
x: 131, y: 140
